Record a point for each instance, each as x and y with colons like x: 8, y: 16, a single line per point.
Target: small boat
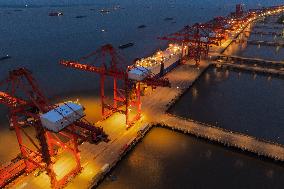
x: 104, y: 11
x: 112, y: 177
x: 116, y: 7
x: 55, y: 14
x: 126, y: 45
x: 81, y: 16
x: 5, y: 57
x: 141, y: 26
x: 168, y: 18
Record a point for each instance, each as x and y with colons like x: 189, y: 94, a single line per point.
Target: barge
x: 124, y: 46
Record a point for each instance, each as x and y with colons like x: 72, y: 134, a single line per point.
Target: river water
x: 36, y: 41
x: 166, y: 159
x: 238, y: 101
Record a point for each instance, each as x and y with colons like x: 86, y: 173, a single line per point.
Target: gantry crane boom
x: 108, y: 63
x: 25, y: 100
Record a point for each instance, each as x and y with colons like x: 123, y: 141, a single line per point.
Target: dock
x: 226, y: 137
x: 253, y: 69
x: 257, y: 65
x: 265, y: 33
x: 98, y: 160
x: 266, y: 43
x: 245, y: 59
x: 261, y: 43
x: 268, y: 26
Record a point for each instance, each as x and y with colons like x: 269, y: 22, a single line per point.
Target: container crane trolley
x: 59, y: 129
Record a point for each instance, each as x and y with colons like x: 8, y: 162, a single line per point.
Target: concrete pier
x: 265, y: 33
x: 98, y: 160
x: 220, y: 135
x: 227, y: 138
x: 247, y: 60
x: 268, y: 26
x: 254, y: 69
x: 260, y: 42
x: 265, y: 43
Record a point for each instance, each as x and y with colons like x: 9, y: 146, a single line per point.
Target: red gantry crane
x: 59, y: 130
x: 195, y: 41
x: 126, y: 97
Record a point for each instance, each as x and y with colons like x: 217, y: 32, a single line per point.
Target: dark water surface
x: 236, y: 100
x: 36, y: 41
x: 259, y: 51
x: 166, y: 159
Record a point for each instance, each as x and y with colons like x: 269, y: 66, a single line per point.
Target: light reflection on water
x: 239, y: 101
x: 182, y: 161
x: 38, y: 42
x: 242, y: 48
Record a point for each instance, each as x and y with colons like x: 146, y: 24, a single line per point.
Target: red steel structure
x: 239, y: 10
x: 195, y: 41
x: 26, y: 102
x: 126, y: 97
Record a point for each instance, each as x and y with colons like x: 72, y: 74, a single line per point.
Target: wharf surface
x: 265, y: 33
x: 98, y: 160
x: 266, y: 43
x: 250, y: 64
x: 269, y: 26
x: 254, y: 69
x: 263, y: 43
x: 229, y: 138
x: 248, y: 60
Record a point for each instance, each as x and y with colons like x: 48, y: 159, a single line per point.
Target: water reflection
x: 241, y: 101
x: 241, y: 47
x: 194, y: 92
x: 194, y: 164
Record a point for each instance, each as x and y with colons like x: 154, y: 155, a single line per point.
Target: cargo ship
x: 157, y: 65
x: 162, y: 62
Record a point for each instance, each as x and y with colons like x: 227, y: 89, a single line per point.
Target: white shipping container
x: 62, y: 116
